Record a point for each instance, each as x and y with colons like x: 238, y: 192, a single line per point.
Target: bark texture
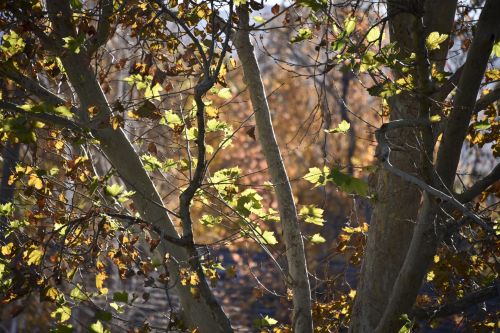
x: 430, y: 222
x: 395, y: 205
x: 297, y: 268
x: 203, y: 313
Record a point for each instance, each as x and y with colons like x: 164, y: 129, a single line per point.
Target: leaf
x: 275, y: 9
x: 73, y: 44
x: 482, y: 125
x: 97, y: 327
x: 343, y: 128
x: 348, y: 183
x: 350, y: 25
x: 211, y: 111
x: 99, y: 282
x: 312, y: 214
x: 302, y: 34
x: 6, y: 209
x: 315, y: 5
x: 77, y: 294
x: 268, y: 237
x: 120, y: 296
x: 35, y: 181
x: 434, y: 39
x: 7, y: 249
x: 317, y: 176
x: 317, y: 239
x: 35, y: 256
x: 153, y: 91
x: 259, y: 19
x: 373, y: 35
x: 63, y: 111
x: 496, y: 49
x: 63, y: 312
x: 264, y: 322
x: 114, y: 190
x: 225, y: 93
x: 76, y: 4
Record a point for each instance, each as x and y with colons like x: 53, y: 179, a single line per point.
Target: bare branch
x: 384, y: 154
x: 480, y: 186
x: 103, y: 27
x: 461, y: 305
x: 486, y: 100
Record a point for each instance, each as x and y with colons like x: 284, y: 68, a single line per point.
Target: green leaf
x: 120, y: 296
x: 153, y: 91
x: 350, y: 25
x: 151, y: 163
x: 317, y: 177
x: 97, y: 327
x: 12, y: 44
x: 73, y: 44
x: 210, y: 220
x: 225, y: 93
x: 268, y: 237
x: 312, y: 214
x: 62, y: 313
x: 434, y: 39
x: 317, y: 239
x: 77, y: 294
x: 118, y: 307
x: 315, y: 5
x: 63, y: 111
x: 171, y: 119
x: 76, y: 4
x: 259, y: 19
x: 348, y: 183
x: 114, y: 190
x: 482, y: 125
x: 264, y: 322
x: 373, y: 35
x: 496, y: 49
x: 343, y: 128
x: 302, y: 34
x: 6, y: 209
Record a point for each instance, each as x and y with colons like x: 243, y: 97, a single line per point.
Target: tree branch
x: 488, y: 30
x: 384, y: 155
x: 103, y: 27
x: 461, y: 305
x: 44, y: 117
x: 486, y: 100
x: 480, y: 186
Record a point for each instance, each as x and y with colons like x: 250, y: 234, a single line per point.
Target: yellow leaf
x: 52, y: 293
x: 436, y: 259
x: 7, y: 249
x: 99, y: 282
x: 35, y: 181
x: 430, y: 276
x: 211, y: 111
x: 352, y: 293
x: 34, y: 256
x: 225, y: 93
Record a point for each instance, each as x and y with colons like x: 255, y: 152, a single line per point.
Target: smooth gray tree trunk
x: 297, y: 268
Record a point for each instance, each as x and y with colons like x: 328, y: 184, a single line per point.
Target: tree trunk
x: 428, y: 230
x: 204, y: 312
x: 299, y: 282
x: 396, y: 202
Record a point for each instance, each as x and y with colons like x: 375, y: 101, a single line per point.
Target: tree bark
x: 428, y: 231
x: 395, y: 207
x: 203, y: 313
x: 299, y: 282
